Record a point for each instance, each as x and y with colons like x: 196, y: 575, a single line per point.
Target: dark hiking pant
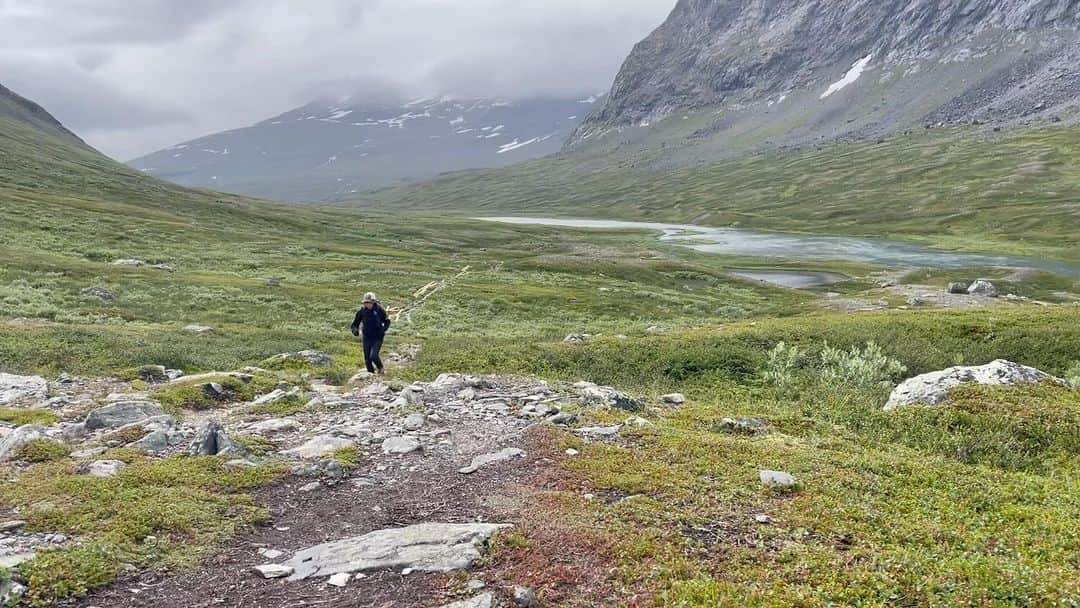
x: 372, y: 346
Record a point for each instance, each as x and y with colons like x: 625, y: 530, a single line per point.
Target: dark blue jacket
x: 374, y: 323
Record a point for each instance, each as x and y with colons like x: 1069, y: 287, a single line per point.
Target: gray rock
x: 211, y: 440
x: 414, y: 422
x: 273, y: 570
x: 984, y: 288
x: 277, y: 395
x: 154, y: 443
x: 22, y: 388
x: 318, y: 446
x: 674, y: 399
x: 361, y: 376
x: 747, y: 426
x: 152, y: 373
x: 129, y: 262
x: 122, y: 413
x: 200, y: 330
x: 400, y: 445
x: 311, y: 357
x: 484, y: 600
x: 310, y: 487
x: 957, y: 288
x: 915, y: 301
x: 608, y: 396
x: 271, y: 553
x: 933, y: 388
x: 273, y: 426
x: 11, y: 592
x: 430, y: 547
x: 12, y: 525
x: 340, y: 579
x: 525, y: 597
x: 577, y: 338
x: 104, y: 468
x: 100, y: 293
x: 563, y: 419
x: 777, y: 479
x: 8, y: 562
x: 21, y: 436
x: 87, y: 453
x: 599, y: 431
x: 484, y: 460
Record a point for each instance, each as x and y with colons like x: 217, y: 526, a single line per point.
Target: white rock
x: 319, y: 446
x: 274, y: 570
x: 572, y: 452
x: 340, y: 579
x: 21, y: 436
x: 272, y: 426
x: 430, y: 547
x: 933, y: 388
x: 271, y: 553
x: 414, y: 422
x: 777, y: 479
x: 982, y: 287
x: 200, y: 330
x: 484, y: 600
x: 484, y: 460
x: 22, y: 388
x: 276, y: 395
x: 400, y: 445
x: 674, y: 399
x: 104, y: 468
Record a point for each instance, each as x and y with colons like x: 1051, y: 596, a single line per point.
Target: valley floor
x: 630, y: 499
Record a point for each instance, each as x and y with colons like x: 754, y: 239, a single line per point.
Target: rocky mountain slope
x: 323, y: 150
x: 759, y: 73
x: 18, y: 109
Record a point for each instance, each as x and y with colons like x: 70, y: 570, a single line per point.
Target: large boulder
x: 984, y: 288
x: 22, y: 388
x: 430, y: 547
x: 933, y: 388
x: 18, y: 438
x: 122, y: 413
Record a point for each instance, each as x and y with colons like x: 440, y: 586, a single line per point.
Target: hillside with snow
x: 325, y: 151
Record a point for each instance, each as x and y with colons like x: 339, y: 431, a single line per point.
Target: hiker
x: 373, y: 322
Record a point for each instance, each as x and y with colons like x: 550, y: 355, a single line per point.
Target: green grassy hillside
x: 973, y: 504
x: 955, y: 189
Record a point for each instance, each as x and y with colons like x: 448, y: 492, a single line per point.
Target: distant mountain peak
x: 338, y: 148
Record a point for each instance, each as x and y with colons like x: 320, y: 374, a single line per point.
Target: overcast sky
x: 133, y: 76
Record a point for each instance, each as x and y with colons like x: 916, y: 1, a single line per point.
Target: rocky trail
x: 442, y: 467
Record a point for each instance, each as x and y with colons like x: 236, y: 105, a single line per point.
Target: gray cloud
x: 132, y: 76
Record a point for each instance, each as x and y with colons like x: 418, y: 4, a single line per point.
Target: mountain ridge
x: 859, y: 68
x: 20, y: 109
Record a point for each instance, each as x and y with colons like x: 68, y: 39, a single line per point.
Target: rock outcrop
x: 432, y: 547
x: 933, y: 388
x: 22, y: 388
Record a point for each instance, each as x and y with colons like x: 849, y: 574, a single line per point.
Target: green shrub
x: 348, y: 457
x: 20, y: 416
x: 42, y: 450
x: 868, y: 367
x: 1072, y: 375
x: 783, y: 364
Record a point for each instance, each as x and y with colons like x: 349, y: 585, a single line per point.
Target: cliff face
x: 909, y: 61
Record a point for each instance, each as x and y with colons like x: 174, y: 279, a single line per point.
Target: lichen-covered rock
x: 933, y: 388
x: 122, y: 413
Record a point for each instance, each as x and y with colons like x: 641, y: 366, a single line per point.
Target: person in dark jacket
x: 372, y: 322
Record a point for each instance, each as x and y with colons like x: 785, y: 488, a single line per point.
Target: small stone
x: 484, y: 600
x: 152, y: 373
x: 571, y: 452
x: 200, y: 330
x: 489, y: 459
x: 87, y: 453
x: 777, y: 479
x: 475, y: 584
x: 563, y: 419
x: 339, y: 580
x: 104, y: 468
x: 319, y: 446
x: 414, y: 422
x: 311, y: 487
x: 577, y: 338
x: 637, y: 421
x: 761, y: 518
x: 674, y: 399
x: 361, y: 377
x: 100, y: 293
x: 400, y: 445
x: 274, y: 570
x: 525, y: 597
x: 747, y: 426
x: 271, y: 553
